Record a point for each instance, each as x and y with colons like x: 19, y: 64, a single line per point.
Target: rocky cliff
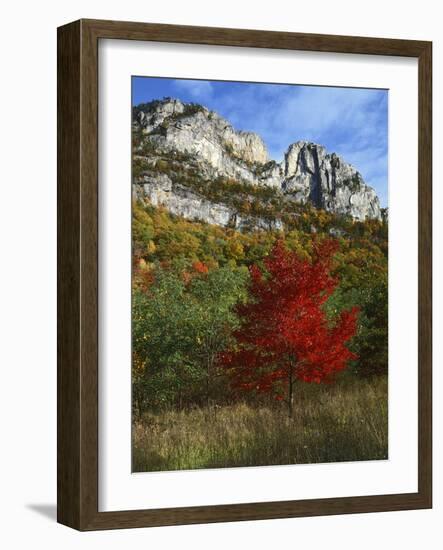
x: 183, y: 153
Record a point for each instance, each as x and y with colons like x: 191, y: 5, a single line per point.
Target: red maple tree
x: 285, y: 334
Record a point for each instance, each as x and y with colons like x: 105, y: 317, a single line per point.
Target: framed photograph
x: 244, y: 274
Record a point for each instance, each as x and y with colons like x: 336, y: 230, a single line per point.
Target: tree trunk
x: 290, y: 390
x: 180, y: 401
x: 208, y: 382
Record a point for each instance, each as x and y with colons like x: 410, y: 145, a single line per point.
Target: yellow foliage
x: 235, y: 250
x: 151, y: 248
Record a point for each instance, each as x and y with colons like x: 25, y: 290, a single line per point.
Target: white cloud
x: 198, y: 89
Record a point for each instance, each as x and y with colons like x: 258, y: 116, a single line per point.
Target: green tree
x: 371, y: 340
x: 162, y: 342
x: 179, y: 329
x: 215, y: 297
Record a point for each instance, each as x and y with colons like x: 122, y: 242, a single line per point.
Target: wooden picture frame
x: 78, y: 274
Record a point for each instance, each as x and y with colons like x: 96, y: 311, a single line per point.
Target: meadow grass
x: 347, y: 421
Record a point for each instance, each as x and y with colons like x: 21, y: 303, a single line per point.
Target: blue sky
x: 352, y: 122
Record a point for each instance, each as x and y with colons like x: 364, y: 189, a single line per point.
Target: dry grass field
x: 347, y: 421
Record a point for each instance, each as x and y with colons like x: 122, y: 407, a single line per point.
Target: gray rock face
x: 328, y: 182
x: 174, y: 126
x: 152, y: 115
x: 181, y: 201
x: 307, y: 174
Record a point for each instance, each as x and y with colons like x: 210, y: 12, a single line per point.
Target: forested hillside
x: 249, y: 304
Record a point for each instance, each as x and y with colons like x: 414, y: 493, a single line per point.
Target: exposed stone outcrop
x: 181, y: 201
x: 174, y: 126
x: 328, y: 182
x: 307, y: 174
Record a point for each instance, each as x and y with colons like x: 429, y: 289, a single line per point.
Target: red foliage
x: 285, y: 334
x: 200, y: 267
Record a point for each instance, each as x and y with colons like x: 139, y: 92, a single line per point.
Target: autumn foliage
x: 223, y: 292
x: 285, y: 333
x: 200, y: 267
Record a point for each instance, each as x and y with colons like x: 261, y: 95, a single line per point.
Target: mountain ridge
x: 176, y: 143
